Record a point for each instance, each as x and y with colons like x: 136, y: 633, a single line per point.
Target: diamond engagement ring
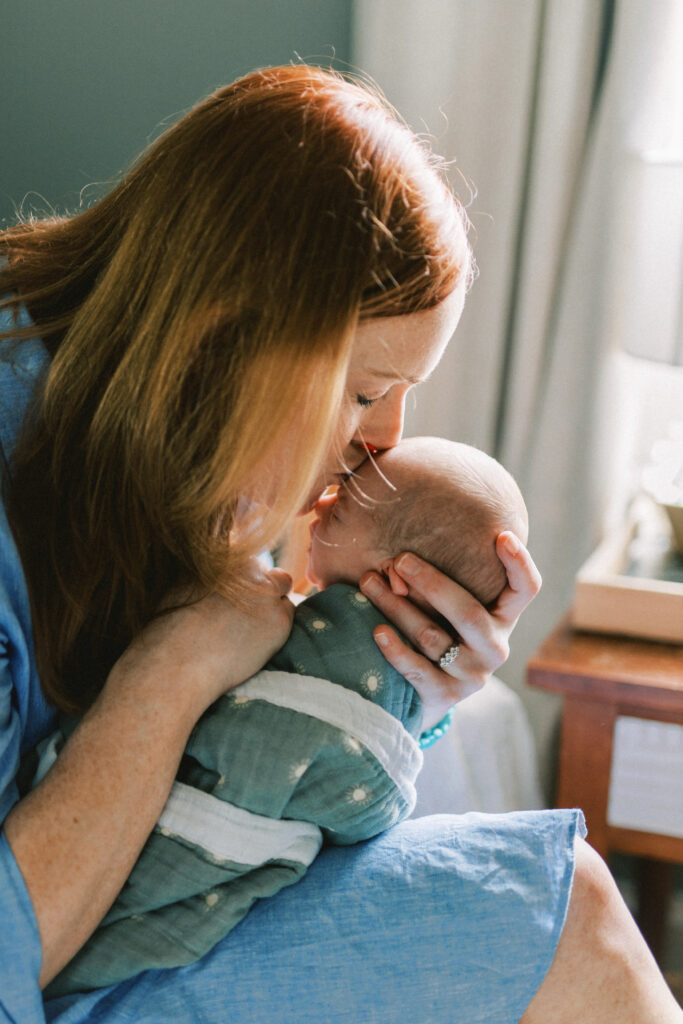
x: 450, y: 655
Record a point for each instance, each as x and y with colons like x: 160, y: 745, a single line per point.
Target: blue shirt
x: 440, y: 919
x: 25, y: 716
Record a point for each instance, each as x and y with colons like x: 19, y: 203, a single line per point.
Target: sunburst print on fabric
x: 372, y: 682
x: 352, y: 745
x: 299, y: 667
x: 315, y: 623
x: 319, y: 625
x: 359, y: 795
x: 358, y: 600
x: 298, y: 770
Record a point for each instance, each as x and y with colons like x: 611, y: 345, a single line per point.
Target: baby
x: 447, y: 502
x: 322, y: 744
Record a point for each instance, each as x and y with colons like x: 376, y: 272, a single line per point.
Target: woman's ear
x: 397, y: 584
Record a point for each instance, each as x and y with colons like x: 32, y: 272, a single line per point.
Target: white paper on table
x: 646, y: 782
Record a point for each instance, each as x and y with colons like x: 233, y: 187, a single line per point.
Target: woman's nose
x: 384, y: 426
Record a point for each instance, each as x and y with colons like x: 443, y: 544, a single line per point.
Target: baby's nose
x: 325, y: 501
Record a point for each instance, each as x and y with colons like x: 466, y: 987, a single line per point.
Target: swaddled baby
x: 324, y: 743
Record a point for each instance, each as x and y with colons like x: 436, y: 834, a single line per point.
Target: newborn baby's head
x: 447, y: 502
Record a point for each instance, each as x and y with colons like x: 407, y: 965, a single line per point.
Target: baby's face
x: 343, y: 542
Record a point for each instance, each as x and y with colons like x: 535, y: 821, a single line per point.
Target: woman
x: 222, y: 336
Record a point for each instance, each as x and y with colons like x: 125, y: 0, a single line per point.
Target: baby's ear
x: 397, y: 584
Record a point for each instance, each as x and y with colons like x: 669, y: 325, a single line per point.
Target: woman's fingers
x: 524, y: 579
x: 482, y: 630
x: 470, y: 621
x: 438, y: 613
x: 414, y: 623
x: 438, y: 689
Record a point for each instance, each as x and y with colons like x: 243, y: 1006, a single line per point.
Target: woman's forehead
x: 392, y: 348
x: 408, y: 347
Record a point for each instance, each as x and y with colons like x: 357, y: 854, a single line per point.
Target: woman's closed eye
x: 365, y: 401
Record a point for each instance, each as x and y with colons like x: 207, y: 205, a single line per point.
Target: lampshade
x: 651, y: 317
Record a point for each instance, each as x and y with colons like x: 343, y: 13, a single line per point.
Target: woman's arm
x: 483, y: 635
x: 77, y: 835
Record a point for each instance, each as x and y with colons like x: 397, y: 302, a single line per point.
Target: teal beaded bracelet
x: 429, y: 737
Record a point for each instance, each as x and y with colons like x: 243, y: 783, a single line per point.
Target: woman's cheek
x: 348, y: 424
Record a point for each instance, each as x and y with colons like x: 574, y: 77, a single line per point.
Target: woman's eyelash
x: 365, y: 401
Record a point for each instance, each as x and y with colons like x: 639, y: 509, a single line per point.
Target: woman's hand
x: 211, y: 645
x: 482, y: 636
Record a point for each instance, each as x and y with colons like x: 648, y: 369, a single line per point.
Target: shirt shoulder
x: 22, y: 365
x: 25, y: 716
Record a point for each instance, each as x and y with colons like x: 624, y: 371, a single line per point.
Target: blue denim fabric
x: 439, y: 921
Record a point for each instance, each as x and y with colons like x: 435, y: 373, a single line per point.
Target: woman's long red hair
x: 194, y: 315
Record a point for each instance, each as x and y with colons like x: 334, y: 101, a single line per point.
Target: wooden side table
x: 603, y: 678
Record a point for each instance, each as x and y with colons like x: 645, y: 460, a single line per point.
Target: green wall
x: 84, y: 84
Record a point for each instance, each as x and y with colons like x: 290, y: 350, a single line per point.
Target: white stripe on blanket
x: 228, y: 832
x: 377, y: 730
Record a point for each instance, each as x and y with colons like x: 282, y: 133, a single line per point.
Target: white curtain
x: 537, y: 104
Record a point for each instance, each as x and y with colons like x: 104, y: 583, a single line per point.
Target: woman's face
x: 389, y: 356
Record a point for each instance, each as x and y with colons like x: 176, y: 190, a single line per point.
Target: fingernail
x: 408, y: 565
x: 382, y: 639
x: 511, y: 544
x: 371, y: 586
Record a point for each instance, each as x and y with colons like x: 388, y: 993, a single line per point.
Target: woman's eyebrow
x: 383, y: 375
